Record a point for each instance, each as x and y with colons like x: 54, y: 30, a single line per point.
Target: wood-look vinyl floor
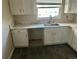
x: 45, y: 52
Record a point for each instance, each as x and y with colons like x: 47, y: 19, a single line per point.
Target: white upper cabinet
x: 22, y: 7
x: 73, y: 38
x: 70, y: 6
x: 16, y: 7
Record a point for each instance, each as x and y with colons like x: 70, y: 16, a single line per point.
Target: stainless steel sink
x: 54, y: 24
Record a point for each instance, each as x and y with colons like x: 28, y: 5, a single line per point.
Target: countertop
x: 43, y: 26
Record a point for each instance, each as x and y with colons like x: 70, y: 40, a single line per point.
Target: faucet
x: 50, y: 18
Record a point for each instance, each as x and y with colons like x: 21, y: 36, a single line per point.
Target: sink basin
x: 54, y: 24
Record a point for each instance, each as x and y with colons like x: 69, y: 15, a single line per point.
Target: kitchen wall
x: 26, y: 20
x: 66, y: 18
x: 7, y: 19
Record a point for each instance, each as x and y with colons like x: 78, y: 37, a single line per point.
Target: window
x: 47, y: 10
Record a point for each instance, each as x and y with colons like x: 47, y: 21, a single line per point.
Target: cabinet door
x: 61, y: 35
x: 70, y: 6
x: 73, y: 38
x: 73, y: 6
x: 74, y: 42
x: 28, y: 7
x: 20, y: 38
x: 16, y: 7
x: 49, y: 36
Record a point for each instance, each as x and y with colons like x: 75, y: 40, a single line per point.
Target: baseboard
x: 11, y: 53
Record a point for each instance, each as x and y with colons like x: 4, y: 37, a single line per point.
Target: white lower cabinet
x: 73, y: 38
x: 52, y: 36
x: 20, y: 37
x: 57, y: 35
x: 74, y: 43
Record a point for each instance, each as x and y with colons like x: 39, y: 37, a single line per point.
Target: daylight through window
x: 47, y: 10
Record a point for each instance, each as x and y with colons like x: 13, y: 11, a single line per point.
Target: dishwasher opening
x: 35, y: 37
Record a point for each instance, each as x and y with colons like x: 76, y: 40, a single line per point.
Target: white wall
x: 7, y: 44
x: 66, y: 18
x: 27, y: 20
x: 24, y: 20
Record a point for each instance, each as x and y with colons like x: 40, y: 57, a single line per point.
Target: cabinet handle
x: 20, y: 31
x: 23, y: 10
x: 20, y: 10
